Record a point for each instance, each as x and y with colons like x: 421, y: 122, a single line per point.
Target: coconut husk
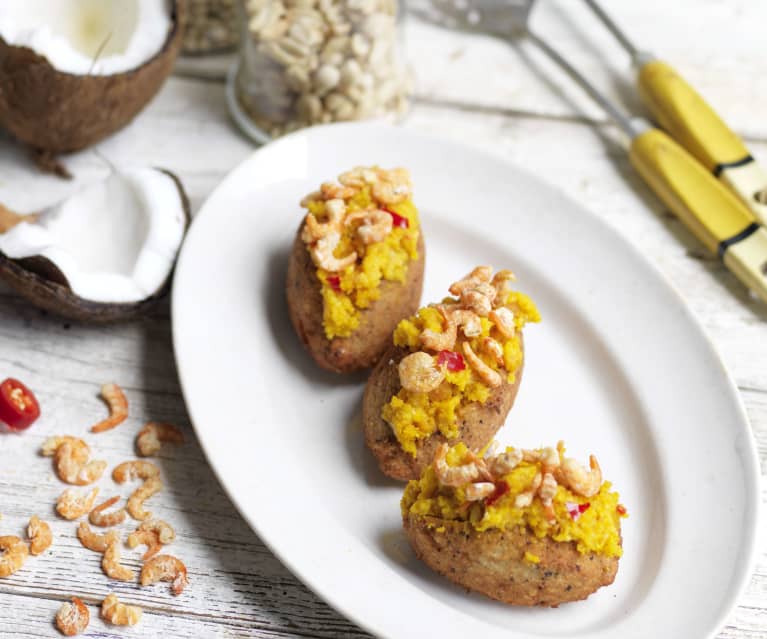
x: 39, y: 280
x: 62, y: 112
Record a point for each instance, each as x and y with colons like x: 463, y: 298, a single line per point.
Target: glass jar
x: 305, y: 62
x: 210, y: 26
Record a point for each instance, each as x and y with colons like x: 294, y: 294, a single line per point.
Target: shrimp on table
x: 165, y: 568
x: 137, y: 469
x: 14, y: 555
x: 110, y: 563
x: 149, y: 439
x: 119, y: 614
x: 95, y: 541
x: 145, y: 538
x: 71, y: 468
x: 72, y: 505
x: 71, y: 456
x: 153, y: 534
x: 40, y: 535
x: 52, y: 444
x: 72, y: 618
x: 163, y: 530
x: 135, y: 506
x: 113, y: 395
x: 152, y: 484
x: 98, y: 518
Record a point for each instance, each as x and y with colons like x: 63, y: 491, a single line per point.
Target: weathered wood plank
x: 237, y: 587
x: 234, y: 579
x: 29, y: 616
x: 451, y: 68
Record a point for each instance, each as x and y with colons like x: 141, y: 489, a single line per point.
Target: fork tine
x: 496, y: 17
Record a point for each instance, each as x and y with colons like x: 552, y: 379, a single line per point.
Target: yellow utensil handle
x: 716, y: 216
x: 688, y: 118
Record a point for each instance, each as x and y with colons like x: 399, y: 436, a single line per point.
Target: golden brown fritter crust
x: 364, y: 347
x: 477, y: 422
x: 492, y: 562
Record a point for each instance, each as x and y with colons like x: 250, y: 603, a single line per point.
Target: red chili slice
x: 335, y: 282
x: 501, y: 488
x: 621, y: 509
x: 454, y: 361
x: 18, y: 406
x: 398, y: 220
x: 576, y: 510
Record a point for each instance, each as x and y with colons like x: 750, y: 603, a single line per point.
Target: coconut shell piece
x: 62, y: 112
x: 39, y: 280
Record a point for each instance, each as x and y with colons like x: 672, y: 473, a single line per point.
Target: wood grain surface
x: 478, y: 90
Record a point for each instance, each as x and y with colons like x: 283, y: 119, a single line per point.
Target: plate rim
x: 751, y: 469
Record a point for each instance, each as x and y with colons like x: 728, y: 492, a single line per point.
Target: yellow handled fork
x: 688, y: 118
x: 720, y: 220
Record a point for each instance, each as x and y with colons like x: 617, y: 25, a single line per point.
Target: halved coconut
x: 105, y: 253
x: 74, y: 71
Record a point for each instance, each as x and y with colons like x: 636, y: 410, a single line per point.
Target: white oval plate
x: 617, y: 367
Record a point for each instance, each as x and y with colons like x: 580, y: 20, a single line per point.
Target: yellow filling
x: 596, y: 529
x: 414, y: 416
x: 360, y: 282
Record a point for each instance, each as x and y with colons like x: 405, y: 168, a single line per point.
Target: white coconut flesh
x: 88, y: 37
x: 115, y: 241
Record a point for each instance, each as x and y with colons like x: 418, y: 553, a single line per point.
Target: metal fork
x: 692, y: 122
x: 511, y: 19
x: 714, y: 214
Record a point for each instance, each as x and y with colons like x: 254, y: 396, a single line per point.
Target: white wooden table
x: 474, y: 89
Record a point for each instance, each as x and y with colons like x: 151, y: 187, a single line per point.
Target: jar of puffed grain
x: 210, y: 26
x: 305, y: 62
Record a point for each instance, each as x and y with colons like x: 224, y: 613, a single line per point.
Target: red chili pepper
x: 620, y: 509
x: 18, y: 406
x: 501, y: 488
x: 398, y: 220
x: 576, y: 510
x: 335, y: 282
x: 454, y: 361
